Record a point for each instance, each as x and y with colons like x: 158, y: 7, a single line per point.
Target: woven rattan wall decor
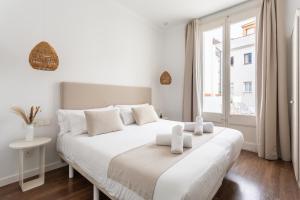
x: 165, y: 78
x: 43, y: 57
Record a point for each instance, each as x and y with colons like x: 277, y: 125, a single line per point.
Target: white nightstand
x: 23, y: 145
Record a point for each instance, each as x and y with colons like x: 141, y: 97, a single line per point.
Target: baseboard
x: 31, y: 172
x: 250, y: 147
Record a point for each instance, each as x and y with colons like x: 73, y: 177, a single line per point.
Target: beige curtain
x: 273, y: 135
x: 191, y: 92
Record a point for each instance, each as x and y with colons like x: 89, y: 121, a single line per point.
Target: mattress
x: 197, y: 176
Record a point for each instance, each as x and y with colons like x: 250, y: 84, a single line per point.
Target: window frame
x: 240, y: 119
x: 211, y: 116
x: 234, y: 15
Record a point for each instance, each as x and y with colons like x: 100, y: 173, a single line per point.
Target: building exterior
x: 242, y: 75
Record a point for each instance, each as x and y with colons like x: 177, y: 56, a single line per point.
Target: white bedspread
x: 197, y: 176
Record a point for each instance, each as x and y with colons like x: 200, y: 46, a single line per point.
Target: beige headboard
x: 85, y: 95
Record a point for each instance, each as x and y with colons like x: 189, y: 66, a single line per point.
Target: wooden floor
x: 250, y: 178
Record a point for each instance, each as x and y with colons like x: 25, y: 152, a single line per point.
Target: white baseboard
x: 31, y: 172
x: 250, y: 147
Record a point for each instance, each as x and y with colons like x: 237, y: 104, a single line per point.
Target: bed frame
x: 85, y: 96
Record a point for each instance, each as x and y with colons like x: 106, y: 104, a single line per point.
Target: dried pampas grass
x: 28, y: 119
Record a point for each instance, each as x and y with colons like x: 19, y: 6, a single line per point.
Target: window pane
x: 247, y: 58
x: 212, y: 70
x: 242, y: 75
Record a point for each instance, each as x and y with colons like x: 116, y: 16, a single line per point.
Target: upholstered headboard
x: 85, y: 95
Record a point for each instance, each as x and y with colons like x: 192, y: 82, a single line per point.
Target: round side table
x: 22, y: 145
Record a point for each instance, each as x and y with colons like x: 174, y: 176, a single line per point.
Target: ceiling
x: 172, y: 12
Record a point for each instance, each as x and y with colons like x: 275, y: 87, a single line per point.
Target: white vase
x: 29, y: 132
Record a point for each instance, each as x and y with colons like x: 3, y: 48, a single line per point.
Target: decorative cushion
x: 99, y: 122
x: 144, y: 114
x: 126, y: 113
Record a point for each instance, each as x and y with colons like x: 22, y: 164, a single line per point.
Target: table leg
x: 71, y: 172
x: 35, y: 182
x: 21, y: 168
x: 42, y: 163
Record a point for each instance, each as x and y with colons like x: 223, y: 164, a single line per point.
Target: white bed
x: 198, y: 176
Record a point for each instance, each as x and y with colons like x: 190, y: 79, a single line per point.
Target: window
x: 242, y: 48
x: 212, y: 70
x: 228, y: 87
x: 247, y: 58
x: 228, y: 43
x: 231, y: 60
x: 248, y: 87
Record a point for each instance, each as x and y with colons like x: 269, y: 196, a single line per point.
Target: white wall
x: 174, y: 58
x: 97, y: 41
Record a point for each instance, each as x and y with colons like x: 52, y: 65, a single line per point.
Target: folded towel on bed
x: 208, y: 127
x: 165, y: 140
x: 177, y: 139
x: 198, y: 126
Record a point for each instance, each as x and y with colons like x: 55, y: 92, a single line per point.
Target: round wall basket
x: 43, y: 57
x: 165, y: 78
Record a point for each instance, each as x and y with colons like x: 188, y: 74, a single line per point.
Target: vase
x: 29, y: 132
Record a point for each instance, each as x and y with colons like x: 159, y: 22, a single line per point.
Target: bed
x: 198, y: 175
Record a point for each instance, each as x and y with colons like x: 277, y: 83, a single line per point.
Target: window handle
x: 292, y: 102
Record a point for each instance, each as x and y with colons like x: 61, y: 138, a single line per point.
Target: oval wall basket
x: 165, y: 78
x: 43, y: 57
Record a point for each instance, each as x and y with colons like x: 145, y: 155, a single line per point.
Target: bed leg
x: 95, y: 192
x: 71, y: 172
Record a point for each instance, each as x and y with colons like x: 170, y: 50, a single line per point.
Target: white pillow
x: 63, y: 119
x: 145, y: 114
x: 126, y: 113
x: 68, y: 119
x: 77, y: 123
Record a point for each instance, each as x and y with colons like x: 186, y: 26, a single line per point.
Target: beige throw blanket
x: 139, y: 169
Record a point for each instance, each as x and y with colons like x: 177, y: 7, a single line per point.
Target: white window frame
x: 239, y: 119
x: 225, y: 18
x: 216, y: 117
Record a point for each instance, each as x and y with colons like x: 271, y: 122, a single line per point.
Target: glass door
x: 213, y: 71
x: 241, y: 104
x: 228, y: 71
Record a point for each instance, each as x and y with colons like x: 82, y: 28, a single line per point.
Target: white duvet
x: 197, y: 176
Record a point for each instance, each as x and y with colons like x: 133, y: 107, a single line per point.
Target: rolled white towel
x: 198, y: 126
x: 165, y: 140
x: 177, y: 139
x: 189, y: 126
x: 187, y: 141
x: 208, y: 127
